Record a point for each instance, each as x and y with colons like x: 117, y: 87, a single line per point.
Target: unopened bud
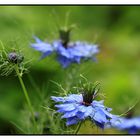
x: 15, y: 58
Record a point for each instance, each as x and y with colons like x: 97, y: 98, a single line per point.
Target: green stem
x: 26, y: 96
x: 78, y: 128
x: 34, y: 85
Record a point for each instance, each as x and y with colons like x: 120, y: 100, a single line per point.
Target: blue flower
x: 131, y: 125
x: 75, y: 109
x: 72, y: 53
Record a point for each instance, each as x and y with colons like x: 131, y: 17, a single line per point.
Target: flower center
x: 65, y: 36
x: 86, y: 104
x: 89, y: 95
x: 87, y: 98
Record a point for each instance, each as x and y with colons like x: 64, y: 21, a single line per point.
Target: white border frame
x: 69, y: 2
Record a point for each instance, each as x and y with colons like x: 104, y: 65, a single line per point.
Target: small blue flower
x: 131, y: 125
x: 75, y: 109
x: 72, y: 53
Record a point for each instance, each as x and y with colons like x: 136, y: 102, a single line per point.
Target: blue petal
x: 70, y: 114
x: 108, y: 115
x: 93, y: 49
x: 83, y: 50
x: 71, y: 121
x: 45, y: 54
x: 132, y: 125
x: 57, y: 99
x: 64, y: 61
x: 75, y: 51
x: 66, y: 107
x: 98, y: 103
x: 37, y: 39
x: 128, y: 123
x: 77, y: 59
x: 63, y: 52
x: 109, y: 109
x: 71, y: 98
x: 57, y: 44
x: 80, y: 115
x: 42, y: 47
x: 101, y: 125
x: 84, y: 112
x: 61, y: 111
x: 89, y: 111
x: 78, y: 98
x: 90, y: 50
x: 82, y: 108
x: 100, y: 117
x: 132, y: 130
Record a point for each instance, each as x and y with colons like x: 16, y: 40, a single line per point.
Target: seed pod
x: 13, y: 57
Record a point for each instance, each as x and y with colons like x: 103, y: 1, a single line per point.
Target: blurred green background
x: 115, y: 28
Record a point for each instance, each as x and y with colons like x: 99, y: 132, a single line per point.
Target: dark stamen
x: 86, y: 104
x: 65, y: 36
x: 89, y: 95
x: 129, y: 114
x: 87, y: 98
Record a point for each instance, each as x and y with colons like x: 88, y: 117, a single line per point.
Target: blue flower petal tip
x: 43, y: 47
x: 131, y: 125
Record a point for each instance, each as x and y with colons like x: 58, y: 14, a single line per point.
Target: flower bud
x: 12, y: 57
x: 15, y: 58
